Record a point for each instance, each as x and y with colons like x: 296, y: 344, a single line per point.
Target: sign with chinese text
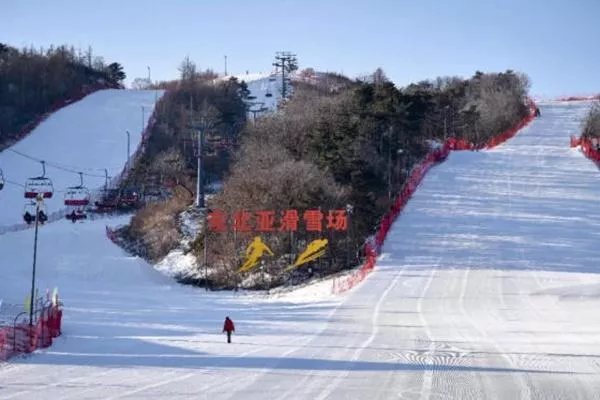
x: 272, y: 221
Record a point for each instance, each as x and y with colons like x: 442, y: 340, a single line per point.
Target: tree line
x: 33, y: 80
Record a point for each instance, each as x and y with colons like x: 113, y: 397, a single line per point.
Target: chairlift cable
x: 60, y: 167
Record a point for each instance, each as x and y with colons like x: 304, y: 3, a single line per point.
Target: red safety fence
x: 589, y: 146
x: 21, y: 338
x: 434, y: 157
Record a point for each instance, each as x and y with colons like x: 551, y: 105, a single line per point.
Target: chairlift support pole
x: 35, y: 242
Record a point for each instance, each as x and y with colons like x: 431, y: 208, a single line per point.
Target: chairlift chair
x: 30, y: 214
x: 77, y: 196
x: 108, y: 201
x: 129, y: 198
x: 40, y: 185
x: 268, y: 94
x: 76, y: 215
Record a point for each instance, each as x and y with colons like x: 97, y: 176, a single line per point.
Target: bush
x: 591, y: 125
x: 156, y: 228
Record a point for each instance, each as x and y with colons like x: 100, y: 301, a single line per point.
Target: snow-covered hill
x: 487, y: 288
x: 87, y: 136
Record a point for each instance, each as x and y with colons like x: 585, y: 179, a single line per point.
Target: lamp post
x: 128, y: 149
x: 398, y: 152
x: 349, y: 210
x: 143, y: 120
x: 199, y: 169
x: 40, y: 202
x: 205, y: 253
x: 446, y: 108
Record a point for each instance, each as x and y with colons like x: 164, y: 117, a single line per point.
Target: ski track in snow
x: 489, y: 290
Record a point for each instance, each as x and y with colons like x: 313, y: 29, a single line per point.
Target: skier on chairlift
x: 42, y: 216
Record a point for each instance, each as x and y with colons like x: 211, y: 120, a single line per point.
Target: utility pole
x: 149, y: 75
x: 286, y: 62
x: 225, y: 65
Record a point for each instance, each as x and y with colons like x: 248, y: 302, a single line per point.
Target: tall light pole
x: 398, y: 152
x: 225, y: 65
x: 149, y: 75
x: 143, y: 119
x: 40, y: 202
x: 128, y: 149
x: 349, y: 210
x: 200, y: 174
x: 205, y: 254
x: 445, y: 122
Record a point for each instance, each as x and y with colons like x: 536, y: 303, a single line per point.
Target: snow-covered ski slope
x: 87, y: 136
x: 488, y: 287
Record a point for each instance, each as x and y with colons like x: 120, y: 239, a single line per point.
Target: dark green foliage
x: 33, y: 81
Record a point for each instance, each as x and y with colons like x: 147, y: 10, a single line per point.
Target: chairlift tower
x: 285, y: 62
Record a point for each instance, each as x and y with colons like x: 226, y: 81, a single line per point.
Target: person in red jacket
x: 228, y: 327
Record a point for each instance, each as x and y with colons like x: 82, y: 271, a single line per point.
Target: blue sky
x: 555, y: 42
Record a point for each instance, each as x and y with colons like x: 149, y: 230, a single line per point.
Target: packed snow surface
x: 87, y: 136
x: 487, y: 288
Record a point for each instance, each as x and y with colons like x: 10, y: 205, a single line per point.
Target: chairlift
x: 31, y: 212
x: 76, y: 215
x: 77, y: 196
x: 129, y: 198
x: 268, y: 93
x: 40, y: 185
x: 108, y: 201
x: 1, y: 180
x: 251, y: 97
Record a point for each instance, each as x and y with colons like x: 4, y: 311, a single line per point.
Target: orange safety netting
x: 23, y: 338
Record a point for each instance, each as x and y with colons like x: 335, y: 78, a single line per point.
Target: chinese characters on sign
x: 272, y: 221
